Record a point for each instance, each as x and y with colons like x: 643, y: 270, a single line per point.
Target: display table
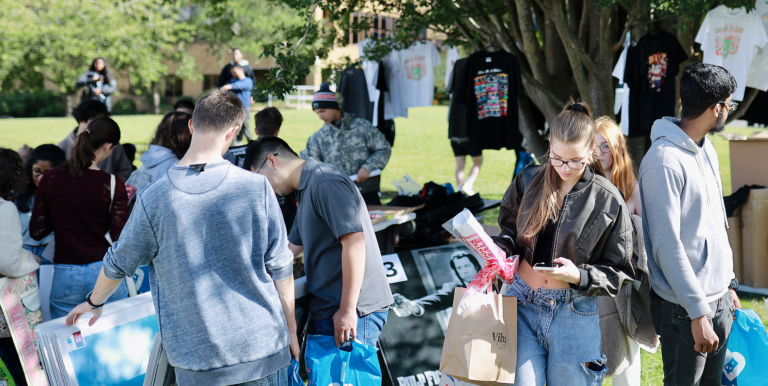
x: 388, y: 231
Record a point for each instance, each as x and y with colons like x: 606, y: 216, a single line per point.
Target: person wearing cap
x: 350, y: 143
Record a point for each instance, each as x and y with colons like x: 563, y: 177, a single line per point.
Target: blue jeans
x: 369, y: 327
x: 72, y: 282
x: 278, y: 378
x: 558, y: 337
x: 38, y: 250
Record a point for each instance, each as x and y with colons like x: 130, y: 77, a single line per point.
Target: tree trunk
x: 156, y: 97
x: 749, y: 97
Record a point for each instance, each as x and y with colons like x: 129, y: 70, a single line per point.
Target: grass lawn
x: 421, y: 149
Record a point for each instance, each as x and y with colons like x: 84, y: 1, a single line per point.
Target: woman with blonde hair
x: 618, y: 166
x: 623, y: 333
x: 571, y: 228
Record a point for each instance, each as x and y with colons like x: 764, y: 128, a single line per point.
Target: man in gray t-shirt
x: 345, y: 275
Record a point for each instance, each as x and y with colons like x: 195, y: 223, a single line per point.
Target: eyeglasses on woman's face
x: 604, y: 148
x: 573, y: 165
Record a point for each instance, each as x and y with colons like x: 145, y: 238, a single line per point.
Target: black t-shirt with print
x: 491, y: 86
x: 652, y: 66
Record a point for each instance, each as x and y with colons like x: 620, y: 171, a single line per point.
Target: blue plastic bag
x: 293, y: 374
x: 355, y: 364
x: 747, y: 355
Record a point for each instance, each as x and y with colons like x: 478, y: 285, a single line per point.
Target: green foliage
x: 245, y: 24
x: 32, y: 104
x: 60, y: 38
x: 124, y: 107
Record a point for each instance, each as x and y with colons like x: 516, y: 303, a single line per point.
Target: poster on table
x: 423, y: 283
x: 20, y: 302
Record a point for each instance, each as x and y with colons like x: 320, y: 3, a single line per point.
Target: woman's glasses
x: 604, y: 148
x: 573, y: 165
x: 37, y: 172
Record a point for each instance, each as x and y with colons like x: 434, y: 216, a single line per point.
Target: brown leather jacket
x: 594, y: 230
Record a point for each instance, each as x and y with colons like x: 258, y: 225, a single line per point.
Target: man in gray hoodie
x: 684, y: 223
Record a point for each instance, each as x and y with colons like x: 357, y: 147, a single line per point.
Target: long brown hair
x: 573, y: 125
x: 99, y: 131
x: 173, y: 133
x: 623, y: 171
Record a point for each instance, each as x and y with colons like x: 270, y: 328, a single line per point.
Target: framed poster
x: 412, y: 340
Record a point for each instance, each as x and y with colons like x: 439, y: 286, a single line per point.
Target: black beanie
x: 325, y: 98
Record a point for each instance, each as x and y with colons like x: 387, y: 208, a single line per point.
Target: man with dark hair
x: 86, y: 111
x: 349, y: 292
x: 184, y: 105
x: 350, y: 143
x: 684, y: 226
x: 219, y: 263
x: 464, y: 265
x: 268, y: 122
x: 241, y: 86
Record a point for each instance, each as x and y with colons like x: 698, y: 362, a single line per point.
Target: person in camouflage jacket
x: 350, y: 143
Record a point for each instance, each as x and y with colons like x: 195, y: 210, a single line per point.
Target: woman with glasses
x: 42, y: 159
x: 571, y: 228
x: 171, y: 142
x: 622, y: 342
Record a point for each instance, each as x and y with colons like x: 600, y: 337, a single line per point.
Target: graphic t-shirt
x: 490, y: 90
x: 414, y: 75
x: 650, y: 72
x: 730, y: 38
x: 758, y: 72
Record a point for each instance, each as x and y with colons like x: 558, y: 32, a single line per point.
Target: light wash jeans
x: 278, y: 378
x: 72, y: 282
x: 38, y: 250
x: 558, y: 337
x: 369, y: 327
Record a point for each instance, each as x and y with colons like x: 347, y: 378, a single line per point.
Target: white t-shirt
x: 730, y: 38
x: 453, y: 56
x: 414, y: 78
x: 392, y: 106
x: 371, y: 70
x: 758, y: 72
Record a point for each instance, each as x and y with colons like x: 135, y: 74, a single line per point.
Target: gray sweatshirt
x: 215, y: 243
x: 155, y: 162
x: 689, y: 257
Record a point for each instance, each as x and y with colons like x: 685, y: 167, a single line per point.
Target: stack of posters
x: 114, y: 351
x: 159, y: 371
x: 20, y: 303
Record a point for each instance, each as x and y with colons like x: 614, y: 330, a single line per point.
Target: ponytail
x: 99, y: 131
x: 573, y: 125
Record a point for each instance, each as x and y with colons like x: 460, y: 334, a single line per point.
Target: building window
x: 381, y: 27
x: 210, y: 81
x: 173, y: 86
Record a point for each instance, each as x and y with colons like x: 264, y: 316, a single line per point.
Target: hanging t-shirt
x: 414, y: 80
x: 354, y: 92
x: 390, y: 68
x: 729, y: 38
x: 457, y: 113
x: 491, y: 86
x: 371, y: 70
x: 652, y: 66
x: 453, y: 56
x: 758, y: 71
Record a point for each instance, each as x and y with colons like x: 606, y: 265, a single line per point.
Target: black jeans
x: 682, y: 364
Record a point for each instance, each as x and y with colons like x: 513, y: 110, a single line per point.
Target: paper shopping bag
x: 481, y: 348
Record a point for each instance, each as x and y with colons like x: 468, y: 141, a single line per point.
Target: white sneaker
x: 468, y: 190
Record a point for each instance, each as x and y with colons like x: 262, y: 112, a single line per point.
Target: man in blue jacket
x: 242, y: 86
x: 220, y: 269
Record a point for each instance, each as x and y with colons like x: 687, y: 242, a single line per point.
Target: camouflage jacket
x: 355, y: 144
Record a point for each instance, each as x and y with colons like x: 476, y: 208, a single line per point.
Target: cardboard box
x: 746, y: 168
x: 384, y: 213
x: 755, y: 239
x: 735, y: 239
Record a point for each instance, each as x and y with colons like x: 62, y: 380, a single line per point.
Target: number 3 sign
x: 393, y: 268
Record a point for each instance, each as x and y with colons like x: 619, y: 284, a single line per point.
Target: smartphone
x: 546, y: 267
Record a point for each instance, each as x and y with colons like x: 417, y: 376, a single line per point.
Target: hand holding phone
x: 546, y: 267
